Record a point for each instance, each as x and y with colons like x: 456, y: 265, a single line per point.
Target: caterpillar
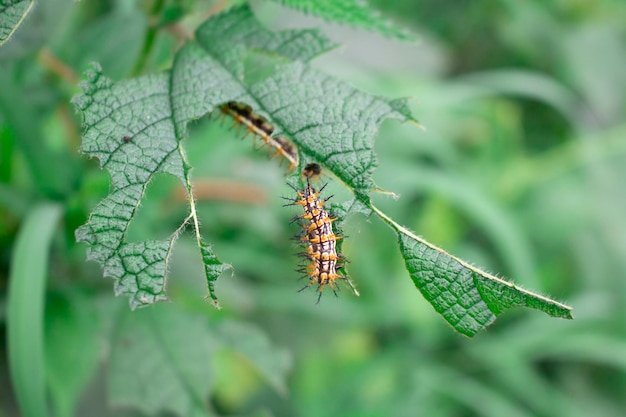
x: 312, y: 171
x: 322, y: 262
x: 259, y: 126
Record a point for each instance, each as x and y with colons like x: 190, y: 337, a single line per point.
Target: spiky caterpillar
x: 259, y: 126
x: 322, y: 262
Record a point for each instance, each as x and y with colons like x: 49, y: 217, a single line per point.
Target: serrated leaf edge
x: 480, y: 272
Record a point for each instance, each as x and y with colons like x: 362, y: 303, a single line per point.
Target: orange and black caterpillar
x: 321, y: 260
x: 259, y: 126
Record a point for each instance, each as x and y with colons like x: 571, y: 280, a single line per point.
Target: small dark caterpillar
x: 322, y: 262
x: 259, y: 126
x: 312, y: 171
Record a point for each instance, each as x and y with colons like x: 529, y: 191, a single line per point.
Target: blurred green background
x: 521, y: 170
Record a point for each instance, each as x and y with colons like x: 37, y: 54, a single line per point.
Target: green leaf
x: 25, y: 309
x: 468, y: 298
x: 134, y: 127
x: 210, y: 72
x: 161, y: 361
x: 213, y: 268
x: 330, y: 121
x: 12, y: 14
x: 72, y: 350
x: 272, y: 363
x: 352, y: 12
x: 129, y: 127
x: 238, y: 26
x: 138, y: 109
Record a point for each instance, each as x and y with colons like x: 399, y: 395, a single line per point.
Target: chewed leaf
x: 135, y: 128
x: 329, y: 120
x: 200, y: 82
x: 351, y: 12
x: 130, y: 129
x: 210, y: 72
x: 12, y: 13
x: 213, y: 268
x: 139, y: 110
x: 468, y: 298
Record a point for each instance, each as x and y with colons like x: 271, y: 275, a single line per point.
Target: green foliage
x: 72, y: 349
x: 271, y: 362
x: 12, y: 13
x: 329, y: 121
x: 174, y: 350
x: 170, y: 348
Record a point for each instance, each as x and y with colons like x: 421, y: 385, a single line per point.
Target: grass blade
x: 25, y: 305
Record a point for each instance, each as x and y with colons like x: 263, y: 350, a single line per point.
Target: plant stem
x: 148, y: 42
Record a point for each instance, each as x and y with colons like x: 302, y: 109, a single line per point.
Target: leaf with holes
x: 134, y: 127
x: 138, y: 110
x: 330, y: 121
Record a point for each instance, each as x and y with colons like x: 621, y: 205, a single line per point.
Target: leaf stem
x: 193, y: 212
x: 57, y: 67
